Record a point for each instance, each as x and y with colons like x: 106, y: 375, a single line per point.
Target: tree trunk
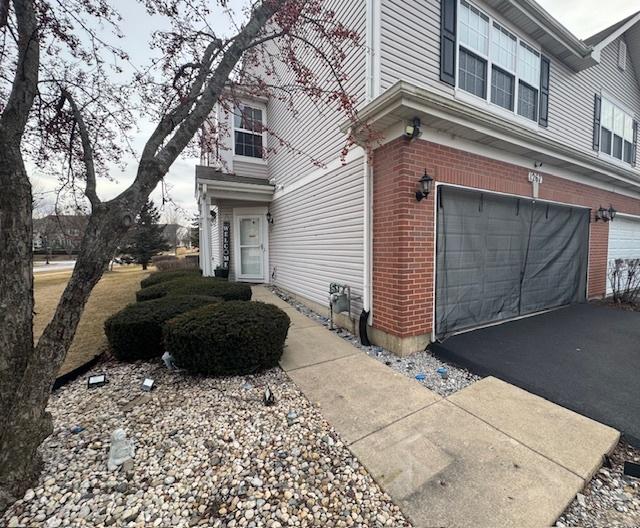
x: 16, y: 308
x: 26, y: 382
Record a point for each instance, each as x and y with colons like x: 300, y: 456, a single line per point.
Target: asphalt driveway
x: 585, y: 357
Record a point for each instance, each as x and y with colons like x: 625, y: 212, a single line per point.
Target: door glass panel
x: 251, y: 261
x: 249, y: 232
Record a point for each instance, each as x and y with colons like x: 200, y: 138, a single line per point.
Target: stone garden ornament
x: 121, y: 450
x: 169, y: 361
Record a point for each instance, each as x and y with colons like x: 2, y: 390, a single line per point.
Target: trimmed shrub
x: 163, y: 276
x: 136, y: 331
x: 162, y: 258
x: 226, y: 339
x: 194, y: 285
x: 177, y: 264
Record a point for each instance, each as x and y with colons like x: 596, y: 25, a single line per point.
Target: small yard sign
x: 226, y: 244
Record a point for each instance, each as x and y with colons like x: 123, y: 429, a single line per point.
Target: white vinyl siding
x: 312, y: 131
x: 317, y: 236
x: 251, y: 169
x: 410, y: 51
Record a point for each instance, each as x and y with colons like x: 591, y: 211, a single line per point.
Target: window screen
x: 473, y: 74
x: 502, y: 88
x: 527, y: 101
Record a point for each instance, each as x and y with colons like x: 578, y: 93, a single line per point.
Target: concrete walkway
x: 490, y: 455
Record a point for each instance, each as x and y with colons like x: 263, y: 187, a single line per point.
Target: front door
x: 250, y: 247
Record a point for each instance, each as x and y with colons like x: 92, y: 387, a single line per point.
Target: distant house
x: 505, y: 182
x: 58, y: 233
x: 177, y: 235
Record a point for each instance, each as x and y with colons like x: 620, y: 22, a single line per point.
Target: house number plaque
x: 535, y: 179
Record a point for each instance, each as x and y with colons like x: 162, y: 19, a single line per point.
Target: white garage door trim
x: 624, y: 241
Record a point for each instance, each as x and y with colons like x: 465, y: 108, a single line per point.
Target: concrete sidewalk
x: 490, y: 455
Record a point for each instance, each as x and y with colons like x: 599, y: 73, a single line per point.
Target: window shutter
x: 634, y: 151
x: 545, y: 71
x: 448, y: 23
x: 597, y: 105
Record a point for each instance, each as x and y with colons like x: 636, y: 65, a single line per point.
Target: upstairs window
x: 489, y: 55
x: 617, y: 132
x: 248, y: 131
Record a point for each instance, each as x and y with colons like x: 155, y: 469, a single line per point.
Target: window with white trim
x: 495, y: 65
x: 616, y: 132
x: 248, y: 130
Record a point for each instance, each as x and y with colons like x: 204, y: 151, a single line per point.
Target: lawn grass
x: 115, y: 290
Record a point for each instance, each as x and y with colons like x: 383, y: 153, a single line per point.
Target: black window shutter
x: 448, y: 23
x: 634, y: 148
x: 597, y: 105
x: 545, y: 71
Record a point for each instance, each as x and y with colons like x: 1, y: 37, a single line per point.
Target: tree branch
x: 190, y: 125
x: 25, y: 82
x: 87, y: 150
x: 175, y: 116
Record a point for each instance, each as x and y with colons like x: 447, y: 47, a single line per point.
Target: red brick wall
x: 403, y: 229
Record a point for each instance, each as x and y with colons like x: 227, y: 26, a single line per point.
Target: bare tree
x: 70, y: 111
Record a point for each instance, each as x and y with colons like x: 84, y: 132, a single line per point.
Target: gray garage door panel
x: 499, y: 257
x: 556, y: 266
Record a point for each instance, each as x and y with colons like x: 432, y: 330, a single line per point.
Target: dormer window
x: 248, y: 131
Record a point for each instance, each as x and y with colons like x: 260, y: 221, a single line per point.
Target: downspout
x: 372, y: 91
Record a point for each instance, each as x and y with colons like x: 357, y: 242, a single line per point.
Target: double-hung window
x: 248, y: 131
x: 495, y: 65
x: 616, y: 132
x: 529, y: 81
x: 474, y: 50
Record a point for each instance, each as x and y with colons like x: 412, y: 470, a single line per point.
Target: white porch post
x: 205, y: 235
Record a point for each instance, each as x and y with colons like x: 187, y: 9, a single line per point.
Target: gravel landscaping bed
x: 208, y: 452
x: 610, y: 499
x: 419, y: 364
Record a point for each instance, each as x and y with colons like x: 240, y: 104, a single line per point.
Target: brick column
x: 403, y: 249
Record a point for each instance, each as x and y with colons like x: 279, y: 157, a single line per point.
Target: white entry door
x: 250, y: 247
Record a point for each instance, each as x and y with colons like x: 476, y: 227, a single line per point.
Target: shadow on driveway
x: 585, y: 357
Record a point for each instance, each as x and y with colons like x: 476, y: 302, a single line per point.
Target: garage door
x: 500, y: 257
x: 624, y: 241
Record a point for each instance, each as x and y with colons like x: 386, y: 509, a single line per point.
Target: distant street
x: 54, y: 265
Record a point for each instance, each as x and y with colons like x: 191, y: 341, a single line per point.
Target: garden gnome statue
x: 169, y: 361
x: 120, y: 451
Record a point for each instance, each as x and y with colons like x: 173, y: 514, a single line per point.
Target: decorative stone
x: 121, y: 450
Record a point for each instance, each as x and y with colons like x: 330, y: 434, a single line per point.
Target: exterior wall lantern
x: 269, y: 218
x: 424, y: 186
x: 412, y: 130
x: 606, y: 215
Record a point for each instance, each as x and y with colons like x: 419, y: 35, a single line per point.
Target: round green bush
x: 229, y: 338
x: 136, y: 331
x: 163, y: 276
x: 209, y: 286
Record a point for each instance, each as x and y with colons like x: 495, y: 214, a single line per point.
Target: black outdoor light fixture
x: 269, y: 218
x: 424, y: 186
x: 606, y: 215
x: 412, y: 130
x: 96, y: 380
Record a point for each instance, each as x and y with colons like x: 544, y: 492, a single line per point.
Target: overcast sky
x: 582, y: 17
